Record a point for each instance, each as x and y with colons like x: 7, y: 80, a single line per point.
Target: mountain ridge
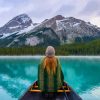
x: 21, y: 31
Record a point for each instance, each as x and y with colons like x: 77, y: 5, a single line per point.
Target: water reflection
x: 16, y: 75
x: 82, y: 74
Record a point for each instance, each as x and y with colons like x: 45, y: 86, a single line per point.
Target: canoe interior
x: 34, y: 94
x: 34, y: 88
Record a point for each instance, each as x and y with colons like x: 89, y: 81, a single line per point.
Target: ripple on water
x: 18, y: 73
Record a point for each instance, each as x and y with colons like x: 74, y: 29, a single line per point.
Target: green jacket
x: 51, y: 82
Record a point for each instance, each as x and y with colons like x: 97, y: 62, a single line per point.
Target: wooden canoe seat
x: 35, y: 89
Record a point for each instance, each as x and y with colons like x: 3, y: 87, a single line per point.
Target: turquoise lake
x: 18, y: 73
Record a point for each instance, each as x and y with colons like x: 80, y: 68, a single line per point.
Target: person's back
x: 50, y: 76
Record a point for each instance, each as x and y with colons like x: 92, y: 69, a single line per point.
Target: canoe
x: 64, y: 93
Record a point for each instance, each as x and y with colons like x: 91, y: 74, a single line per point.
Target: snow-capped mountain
x: 19, y: 24
x: 71, y: 29
x: 21, y: 31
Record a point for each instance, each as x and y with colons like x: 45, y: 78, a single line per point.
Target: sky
x: 39, y: 10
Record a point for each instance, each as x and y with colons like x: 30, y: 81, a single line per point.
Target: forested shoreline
x: 90, y: 48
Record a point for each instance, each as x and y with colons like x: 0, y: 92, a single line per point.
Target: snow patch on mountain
x: 26, y: 30
x: 32, y: 41
x: 25, y: 19
x: 7, y: 34
x: 23, y: 31
x: 60, y: 25
x: 76, y: 24
x: 14, y: 27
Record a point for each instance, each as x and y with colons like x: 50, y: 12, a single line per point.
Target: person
x: 50, y: 75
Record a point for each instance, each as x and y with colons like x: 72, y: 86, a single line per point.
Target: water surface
x: 18, y: 73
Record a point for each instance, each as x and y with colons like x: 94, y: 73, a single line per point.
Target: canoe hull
x: 58, y: 96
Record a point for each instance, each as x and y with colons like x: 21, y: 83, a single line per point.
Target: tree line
x: 90, y: 48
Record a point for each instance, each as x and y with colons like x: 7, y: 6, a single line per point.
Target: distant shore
x: 39, y: 56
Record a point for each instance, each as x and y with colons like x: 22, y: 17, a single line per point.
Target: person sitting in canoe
x: 50, y: 81
x: 50, y: 75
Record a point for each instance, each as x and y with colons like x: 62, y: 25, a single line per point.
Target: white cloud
x: 95, y: 20
x: 4, y: 9
x: 40, y: 10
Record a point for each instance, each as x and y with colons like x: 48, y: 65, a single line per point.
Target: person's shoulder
x: 42, y: 59
x: 56, y: 57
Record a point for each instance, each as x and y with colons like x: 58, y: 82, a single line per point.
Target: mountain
x: 16, y: 25
x: 21, y: 31
x: 71, y: 29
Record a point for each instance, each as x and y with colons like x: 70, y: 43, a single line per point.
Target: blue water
x: 18, y: 73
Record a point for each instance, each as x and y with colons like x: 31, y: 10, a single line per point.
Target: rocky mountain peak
x: 15, y: 25
x: 51, y: 23
x: 22, y: 20
x: 58, y: 17
x: 57, y: 30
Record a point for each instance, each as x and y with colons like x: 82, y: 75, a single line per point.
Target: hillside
x: 90, y: 48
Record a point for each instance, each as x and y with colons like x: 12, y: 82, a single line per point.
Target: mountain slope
x: 71, y: 29
x: 90, y: 48
x: 19, y: 24
x: 21, y: 31
x: 42, y: 37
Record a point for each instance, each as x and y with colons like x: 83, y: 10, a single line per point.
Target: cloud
x: 92, y: 7
x: 66, y: 9
x: 95, y: 20
x: 40, y: 10
x: 4, y: 9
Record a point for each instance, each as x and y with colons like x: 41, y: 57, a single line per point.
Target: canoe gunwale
x: 37, y: 95
x: 34, y: 88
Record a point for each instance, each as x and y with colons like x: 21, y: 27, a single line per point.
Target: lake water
x: 18, y: 73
